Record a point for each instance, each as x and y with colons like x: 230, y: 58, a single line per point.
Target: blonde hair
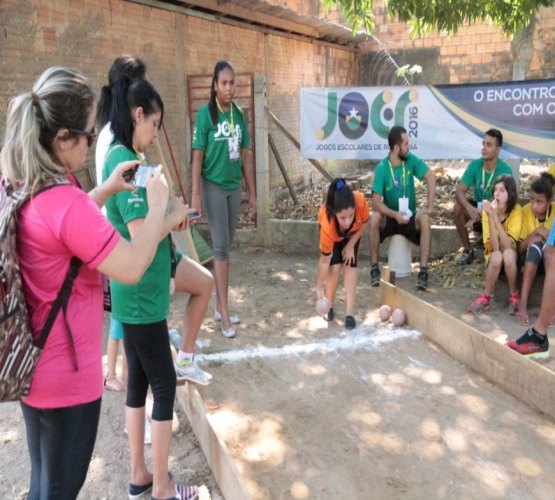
x: 61, y: 98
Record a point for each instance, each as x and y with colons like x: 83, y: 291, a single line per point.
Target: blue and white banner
x: 443, y: 121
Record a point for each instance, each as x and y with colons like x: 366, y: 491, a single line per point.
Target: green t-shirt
x: 401, y: 184
x: 147, y: 301
x: 214, y: 141
x: 477, y: 178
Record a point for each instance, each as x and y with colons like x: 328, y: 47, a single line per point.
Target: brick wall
x: 477, y: 53
x: 89, y: 34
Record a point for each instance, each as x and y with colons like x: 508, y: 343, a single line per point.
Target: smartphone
x: 193, y: 215
x: 130, y: 173
x: 139, y: 180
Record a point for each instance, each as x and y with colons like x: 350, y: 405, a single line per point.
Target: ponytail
x: 61, y: 98
x: 128, y: 95
x: 340, y: 196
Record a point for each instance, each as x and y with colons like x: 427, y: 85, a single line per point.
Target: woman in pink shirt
x: 48, y: 133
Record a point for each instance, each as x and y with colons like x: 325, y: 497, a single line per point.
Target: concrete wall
x: 301, y: 237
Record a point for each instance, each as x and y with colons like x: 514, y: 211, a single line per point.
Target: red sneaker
x: 531, y: 344
x: 481, y: 304
x: 514, y: 301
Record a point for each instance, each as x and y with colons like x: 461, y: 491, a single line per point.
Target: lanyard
x: 492, y: 176
x: 230, y: 122
x: 395, y: 183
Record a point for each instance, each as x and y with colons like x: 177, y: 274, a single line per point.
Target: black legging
x: 60, y: 442
x: 149, y: 361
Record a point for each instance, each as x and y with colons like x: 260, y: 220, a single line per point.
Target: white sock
x: 185, y: 356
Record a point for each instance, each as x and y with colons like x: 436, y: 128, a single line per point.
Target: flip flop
x: 522, y: 318
x: 114, y: 384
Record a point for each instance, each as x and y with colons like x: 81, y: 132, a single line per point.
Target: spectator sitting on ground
x: 480, y: 176
x: 537, y: 218
x: 394, y: 204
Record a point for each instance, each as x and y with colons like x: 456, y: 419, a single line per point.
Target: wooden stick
x: 282, y: 168
x: 186, y: 232
x: 288, y: 134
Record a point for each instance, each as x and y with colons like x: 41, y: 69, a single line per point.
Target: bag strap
x: 61, y: 303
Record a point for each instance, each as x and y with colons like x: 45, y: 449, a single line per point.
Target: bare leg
x: 547, y: 309
x: 221, y: 276
x: 195, y: 280
x: 492, y: 273
x: 528, y: 275
x: 112, y: 356
x: 161, y: 441
x: 135, y: 423
x: 423, y: 225
x: 509, y: 263
x: 460, y: 218
x: 350, y: 278
x: 332, y: 282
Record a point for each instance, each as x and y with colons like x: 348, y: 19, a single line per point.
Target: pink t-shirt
x: 60, y: 223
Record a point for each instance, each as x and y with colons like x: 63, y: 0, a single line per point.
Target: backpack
x: 19, y: 353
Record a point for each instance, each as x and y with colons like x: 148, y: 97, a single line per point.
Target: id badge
x: 403, y: 204
x: 233, y: 148
x: 480, y: 206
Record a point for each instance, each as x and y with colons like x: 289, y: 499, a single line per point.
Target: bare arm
x: 114, y: 184
x: 430, y: 181
x: 248, y: 172
x: 322, y: 274
x: 196, y: 168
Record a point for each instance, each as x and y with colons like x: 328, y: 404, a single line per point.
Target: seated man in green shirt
x: 394, y: 204
x: 480, y: 175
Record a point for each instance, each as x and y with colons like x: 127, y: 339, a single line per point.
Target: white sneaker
x: 234, y: 318
x: 190, y: 372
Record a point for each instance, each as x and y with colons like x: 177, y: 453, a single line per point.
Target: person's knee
x: 495, y: 260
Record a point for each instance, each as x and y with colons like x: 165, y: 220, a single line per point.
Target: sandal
x: 552, y: 321
x: 114, y: 384
x: 522, y: 318
x: 183, y: 492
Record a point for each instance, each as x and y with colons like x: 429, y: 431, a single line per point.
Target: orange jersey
x: 328, y: 228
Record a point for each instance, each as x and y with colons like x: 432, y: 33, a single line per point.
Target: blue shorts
x: 116, y: 329
x: 551, y: 238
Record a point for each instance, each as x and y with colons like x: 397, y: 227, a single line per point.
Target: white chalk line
x: 360, y: 338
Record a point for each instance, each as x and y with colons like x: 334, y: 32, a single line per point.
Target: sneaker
x: 175, y: 338
x: 467, y: 257
x: 375, y: 276
x: 189, y: 371
x: 350, y: 323
x: 329, y: 316
x: 514, y: 301
x: 233, y: 318
x: 422, y: 279
x: 481, y: 304
x: 531, y: 344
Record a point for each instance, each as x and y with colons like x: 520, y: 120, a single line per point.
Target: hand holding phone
x: 141, y: 174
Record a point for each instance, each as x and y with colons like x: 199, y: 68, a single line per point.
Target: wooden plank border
x: 215, y: 450
x: 523, y: 378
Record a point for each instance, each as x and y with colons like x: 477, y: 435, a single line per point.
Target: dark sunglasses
x: 91, y: 136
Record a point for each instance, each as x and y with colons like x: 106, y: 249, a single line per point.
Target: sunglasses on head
x: 91, y: 136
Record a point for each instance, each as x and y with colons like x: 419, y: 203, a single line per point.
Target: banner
x: 442, y: 121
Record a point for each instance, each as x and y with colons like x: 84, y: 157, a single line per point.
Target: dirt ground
x: 309, y: 410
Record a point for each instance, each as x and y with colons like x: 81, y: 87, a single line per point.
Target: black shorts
x: 337, y: 253
x: 408, y: 230
x: 477, y: 226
